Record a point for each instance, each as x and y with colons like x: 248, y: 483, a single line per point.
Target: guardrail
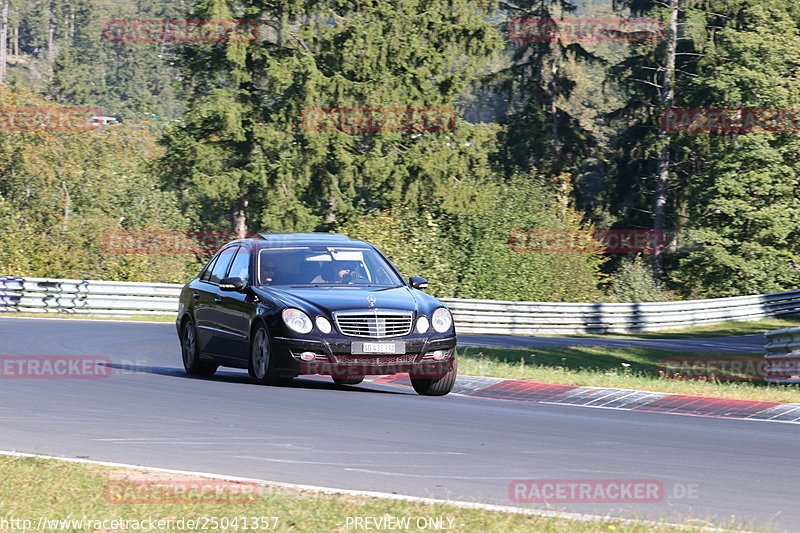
x: 88, y: 297
x: 783, y: 356
x: 537, y: 318
x: 42, y: 295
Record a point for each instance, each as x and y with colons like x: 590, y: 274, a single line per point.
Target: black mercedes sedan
x: 283, y: 305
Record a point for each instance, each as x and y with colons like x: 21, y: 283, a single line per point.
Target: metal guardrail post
x: 783, y: 356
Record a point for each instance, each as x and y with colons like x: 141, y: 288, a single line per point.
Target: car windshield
x: 324, y: 265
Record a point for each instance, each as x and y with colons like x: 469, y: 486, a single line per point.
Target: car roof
x: 308, y: 238
x: 282, y: 239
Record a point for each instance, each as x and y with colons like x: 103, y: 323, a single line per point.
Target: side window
x: 207, y: 272
x: 220, y: 268
x: 241, y: 264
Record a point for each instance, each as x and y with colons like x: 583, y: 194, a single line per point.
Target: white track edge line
x: 371, y: 494
x: 718, y: 417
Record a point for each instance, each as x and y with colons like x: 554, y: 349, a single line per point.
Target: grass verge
x: 623, y: 368
x: 56, y: 490
x: 724, y: 329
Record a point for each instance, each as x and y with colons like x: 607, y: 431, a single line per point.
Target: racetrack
x: 382, y: 438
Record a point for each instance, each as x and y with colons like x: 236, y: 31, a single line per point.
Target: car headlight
x: 323, y: 324
x: 442, y: 320
x: 297, y: 320
x: 423, y: 324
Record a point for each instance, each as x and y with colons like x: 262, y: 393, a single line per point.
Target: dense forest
x: 436, y: 129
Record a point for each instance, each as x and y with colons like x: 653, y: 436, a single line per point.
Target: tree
x: 464, y: 244
x: 63, y: 192
x: 666, y: 97
x: 247, y: 150
x: 60, y: 49
x: 646, y: 161
x: 731, y: 193
x: 4, y: 8
x: 540, y: 132
x: 745, y: 212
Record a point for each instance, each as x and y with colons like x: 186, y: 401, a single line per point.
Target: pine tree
x: 744, y: 209
x: 732, y: 194
x: 539, y: 131
x: 245, y: 151
x: 646, y: 190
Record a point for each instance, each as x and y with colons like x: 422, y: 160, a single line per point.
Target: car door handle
x: 217, y: 299
x: 196, y: 295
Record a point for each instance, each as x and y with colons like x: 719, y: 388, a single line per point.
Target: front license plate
x: 378, y: 347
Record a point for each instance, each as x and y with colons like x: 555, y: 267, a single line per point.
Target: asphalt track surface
x: 379, y: 437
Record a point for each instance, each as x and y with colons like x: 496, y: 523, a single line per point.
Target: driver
x: 267, y: 270
x: 337, y: 272
x: 345, y: 271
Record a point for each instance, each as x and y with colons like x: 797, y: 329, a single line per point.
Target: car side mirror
x: 232, y: 284
x: 418, y: 283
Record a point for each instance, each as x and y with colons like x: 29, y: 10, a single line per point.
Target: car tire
x: 190, y: 353
x: 261, y: 366
x: 349, y: 380
x: 435, y: 386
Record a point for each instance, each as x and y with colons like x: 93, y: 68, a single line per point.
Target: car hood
x: 330, y: 299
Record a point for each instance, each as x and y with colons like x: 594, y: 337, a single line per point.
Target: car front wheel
x: 261, y: 367
x: 191, y: 355
x: 435, y: 385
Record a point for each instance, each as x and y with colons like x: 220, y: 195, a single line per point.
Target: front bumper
x: 424, y: 356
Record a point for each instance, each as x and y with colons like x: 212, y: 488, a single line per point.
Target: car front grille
x: 376, y: 361
x: 379, y: 323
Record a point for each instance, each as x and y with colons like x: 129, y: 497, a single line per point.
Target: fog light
x: 323, y: 324
x: 439, y: 355
x: 308, y: 356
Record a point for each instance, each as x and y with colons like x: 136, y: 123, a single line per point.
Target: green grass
x: 33, y: 487
x: 724, y: 329
x: 624, y: 368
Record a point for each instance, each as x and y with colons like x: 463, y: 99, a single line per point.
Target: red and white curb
x: 624, y: 399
